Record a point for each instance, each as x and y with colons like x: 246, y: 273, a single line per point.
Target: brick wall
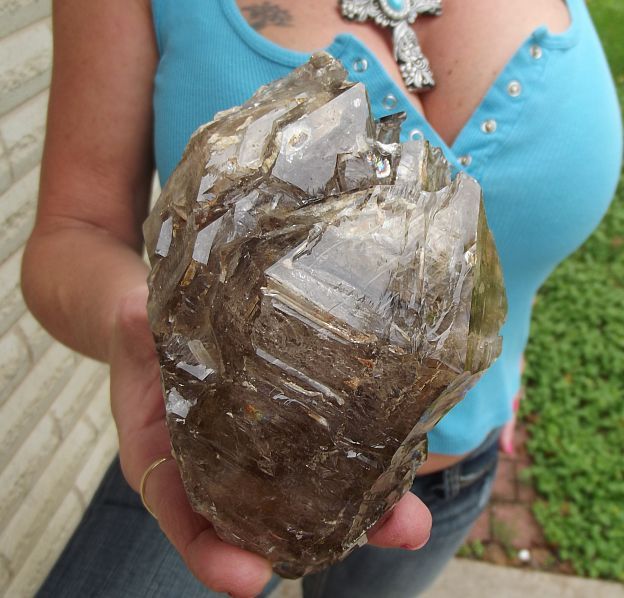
x: 56, y: 433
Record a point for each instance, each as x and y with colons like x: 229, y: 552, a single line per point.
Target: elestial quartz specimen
x: 320, y: 296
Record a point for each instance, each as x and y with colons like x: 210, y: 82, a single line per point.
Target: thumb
x: 136, y: 397
x: 132, y: 339
x: 407, y: 526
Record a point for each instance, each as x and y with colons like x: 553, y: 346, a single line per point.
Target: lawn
x: 574, y: 406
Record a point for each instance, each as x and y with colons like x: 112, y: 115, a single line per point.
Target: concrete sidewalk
x: 471, y: 579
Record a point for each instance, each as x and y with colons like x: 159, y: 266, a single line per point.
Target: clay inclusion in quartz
x: 320, y: 295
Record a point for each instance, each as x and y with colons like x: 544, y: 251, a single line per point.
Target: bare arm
x: 82, y: 274
x: 84, y: 279
x: 84, y: 252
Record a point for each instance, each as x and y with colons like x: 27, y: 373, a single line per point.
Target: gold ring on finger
x: 144, y: 478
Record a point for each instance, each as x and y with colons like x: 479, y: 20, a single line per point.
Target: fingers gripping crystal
x: 320, y: 295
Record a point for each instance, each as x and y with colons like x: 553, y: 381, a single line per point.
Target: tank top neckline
x: 293, y: 58
x: 347, y: 44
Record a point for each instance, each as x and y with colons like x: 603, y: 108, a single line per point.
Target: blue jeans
x: 118, y: 550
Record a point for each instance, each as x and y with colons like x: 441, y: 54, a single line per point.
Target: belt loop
x: 451, y: 481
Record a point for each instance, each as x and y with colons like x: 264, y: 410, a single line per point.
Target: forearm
x: 73, y: 277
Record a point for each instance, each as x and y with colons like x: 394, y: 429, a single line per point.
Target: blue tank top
x: 545, y: 144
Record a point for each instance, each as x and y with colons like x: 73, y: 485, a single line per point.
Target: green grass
x: 575, y: 380
x: 472, y: 550
x: 608, y: 16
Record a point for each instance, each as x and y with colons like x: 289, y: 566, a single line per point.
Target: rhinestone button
x: 389, y: 102
x: 360, y: 65
x: 489, y: 126
x: 514, y: 89
x: 465, y: 160
x: 536, y: 52
x: 416, y: 134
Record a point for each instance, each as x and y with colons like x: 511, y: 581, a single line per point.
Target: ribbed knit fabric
x: 548, y: 170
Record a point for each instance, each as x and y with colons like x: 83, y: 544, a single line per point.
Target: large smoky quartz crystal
x: 320, y: 296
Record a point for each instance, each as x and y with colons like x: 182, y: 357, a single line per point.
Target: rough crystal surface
x: 320, y: 296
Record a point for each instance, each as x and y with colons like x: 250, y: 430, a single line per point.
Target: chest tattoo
x: 266, y: 14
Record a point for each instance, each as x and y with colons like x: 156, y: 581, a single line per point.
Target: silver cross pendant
x: 399, y: 14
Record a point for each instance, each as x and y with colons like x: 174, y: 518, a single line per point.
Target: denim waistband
x: 473, y: 467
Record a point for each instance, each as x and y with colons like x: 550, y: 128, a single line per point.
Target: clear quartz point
x: 320, y: 296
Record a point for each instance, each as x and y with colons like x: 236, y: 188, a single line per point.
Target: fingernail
x: 508, y: 448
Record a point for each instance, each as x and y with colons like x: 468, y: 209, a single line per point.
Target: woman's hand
x: 506, y: 440
x: 139, y: 412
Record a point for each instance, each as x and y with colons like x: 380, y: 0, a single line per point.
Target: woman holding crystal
x: 516, y: 94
